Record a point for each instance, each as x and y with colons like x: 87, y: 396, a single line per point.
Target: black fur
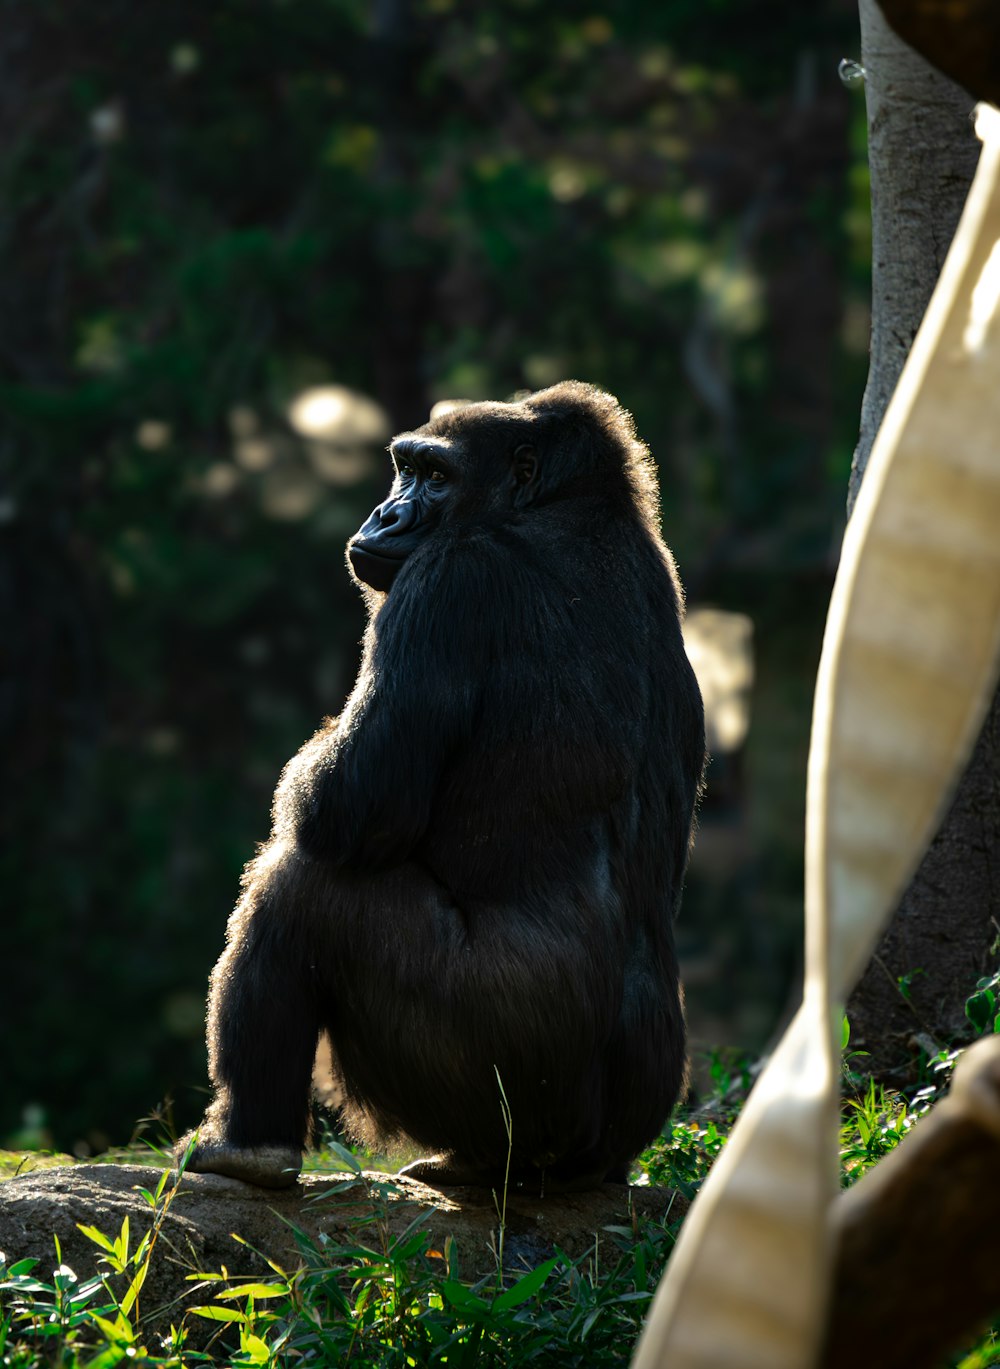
x: 474, y: 870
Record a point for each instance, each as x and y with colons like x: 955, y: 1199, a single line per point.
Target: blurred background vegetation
x: 210, y: 211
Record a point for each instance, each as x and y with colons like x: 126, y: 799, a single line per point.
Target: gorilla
x: 473, y: 871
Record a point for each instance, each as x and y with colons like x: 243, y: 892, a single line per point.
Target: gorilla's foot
x: 266, y: 1166
x: 444, y: 1170
x: 437, y: 1171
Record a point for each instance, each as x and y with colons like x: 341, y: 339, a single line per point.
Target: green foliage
x: 682, y: 1157
x: 93, y: 1323
x: 683, y: 1160
x: 872, y: 1125
x: 905, y: 983
x: 875, y: 1119
x: 371, y: 1297
x: 986, y: 1353
x: 981, y: 1006
x: 368, y: 1298
x: 730, y: 1071
x: 207, y: 213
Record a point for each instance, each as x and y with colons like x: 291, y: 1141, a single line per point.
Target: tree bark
x: 961, y: 38
x: 922, y: 154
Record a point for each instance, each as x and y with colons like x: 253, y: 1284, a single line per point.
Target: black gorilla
x: 474, y: 870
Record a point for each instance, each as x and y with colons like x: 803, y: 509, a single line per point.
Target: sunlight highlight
x: 985, y: 298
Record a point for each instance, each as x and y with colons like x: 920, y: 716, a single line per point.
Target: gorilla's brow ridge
x: 419, y: 444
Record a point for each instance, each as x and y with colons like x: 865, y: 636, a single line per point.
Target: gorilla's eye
x: 437, y: 477
x: 404, y: 468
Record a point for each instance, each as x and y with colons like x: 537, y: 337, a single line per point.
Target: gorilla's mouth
x: 373, y: 568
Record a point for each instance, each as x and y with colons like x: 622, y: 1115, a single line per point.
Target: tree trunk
x: 922, y: 154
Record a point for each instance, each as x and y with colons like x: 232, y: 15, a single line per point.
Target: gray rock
x: 207, y: 1211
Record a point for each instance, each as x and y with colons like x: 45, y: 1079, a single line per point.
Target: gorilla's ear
x: 524, y: 466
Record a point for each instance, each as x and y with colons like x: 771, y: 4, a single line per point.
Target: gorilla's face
x: 473, y: 460
x: 425, y: 485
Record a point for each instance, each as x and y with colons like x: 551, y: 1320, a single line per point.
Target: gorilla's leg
x: 263, y: 1026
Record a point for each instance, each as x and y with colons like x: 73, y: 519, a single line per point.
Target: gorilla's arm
x: 361, y: 793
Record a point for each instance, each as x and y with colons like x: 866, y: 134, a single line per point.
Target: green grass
x: 368, y: 1299
x: 372, y: 1299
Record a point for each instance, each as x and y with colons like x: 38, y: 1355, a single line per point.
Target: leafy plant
x: 371, y: 1298
x: 871, y: 1126
x: 981, y: 1006
x: 682, y: 1158
x: 904, y: 983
